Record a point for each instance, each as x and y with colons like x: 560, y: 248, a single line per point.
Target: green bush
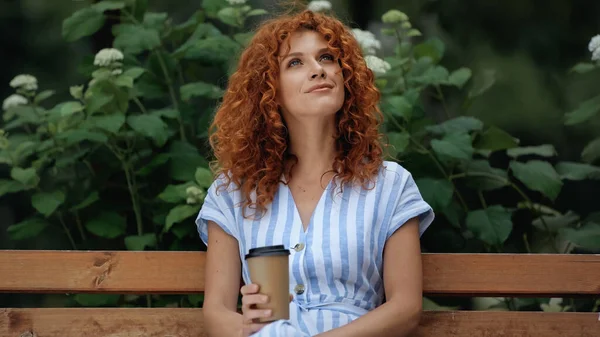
x: 123, y: 163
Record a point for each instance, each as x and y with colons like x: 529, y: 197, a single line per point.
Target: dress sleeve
x: 409, y: 204
x: 218, y: 207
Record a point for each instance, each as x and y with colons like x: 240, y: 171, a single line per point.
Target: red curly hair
x: 248, y: 134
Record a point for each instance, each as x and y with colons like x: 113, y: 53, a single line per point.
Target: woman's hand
x: 250, y: 298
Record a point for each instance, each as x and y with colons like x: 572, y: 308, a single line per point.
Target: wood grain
x: 179, y: 322
x: 124, y: 272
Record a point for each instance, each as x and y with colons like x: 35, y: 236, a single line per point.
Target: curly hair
x: 248, y: 134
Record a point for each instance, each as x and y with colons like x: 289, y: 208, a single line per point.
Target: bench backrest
x: 119, y: 272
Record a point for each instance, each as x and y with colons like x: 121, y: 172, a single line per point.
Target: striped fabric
x: 336, y: 276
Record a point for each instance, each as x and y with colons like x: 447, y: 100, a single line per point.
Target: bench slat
x: 180, y: 322
x: 183, y: 272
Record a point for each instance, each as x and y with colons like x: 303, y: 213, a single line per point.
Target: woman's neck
x: 314, y: 147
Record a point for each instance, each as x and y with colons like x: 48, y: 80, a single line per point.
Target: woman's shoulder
x: 392, y: 172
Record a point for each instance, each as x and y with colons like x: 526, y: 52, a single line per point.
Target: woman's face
x: 311, y: 82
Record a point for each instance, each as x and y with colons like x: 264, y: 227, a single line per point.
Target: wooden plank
x: 77, y: 322
x: 183, y: 272
x: 519, y: 275
x: 179, y: 322
x: 119, y: 272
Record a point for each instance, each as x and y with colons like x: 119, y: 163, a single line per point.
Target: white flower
x: 367, y: 41
x: 236, y: 2
x: 596, y: 55
x: 107, y: 56
x: 594, y: 43
x: 377, y: 65
x: 319, y: 6
x: 24, y: 81
x: 394, y: 16
x: 13, y: 100
x: 117, y: 72
x: 194, y: 195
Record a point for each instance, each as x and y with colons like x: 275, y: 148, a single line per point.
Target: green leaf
x: 433, y: 48
x: 150, y: 126
x: 414, y: 32
x: 587, y: 237
x: 134, y: 72
x: 84, y: 22
x: 47, y: 202
x: 97, y: 101
x: 110, y: 123
x: 204, y: 177
x: 399, y: 141
x: 140, y: 242
x: 491, y: 225
x: 546, y: 150
x: 482, y: 176
x: 175, y: 193
x: 454, y: 213
x: 398, y: 106
x: 153, y: 164
x: 77, y: 136
x: 201, y: 89
x: 456, y: 125
x: 29, y: 228
x: 107, y: 224
x: 202, y: 31
x: 257, y: 11
x: 92, y: 198
x: 482, y: 82
x: 196, y: 299
x: 243, y: 38
x: 583, y: 67
x: 96, y: 300
x: 27, y: 177
x: 185, y: 159
x: 591, y: 152
x: 553, y: 223
x: 230, y: 16
x: 10, y: 186
x: 212, y: 7
x: 453, y: 146
x: 495, y: 139
x: 433, y: 76
x: 107, y: 5
x: 44, y: 95
x: 69, y: 108
x: 134, y: 39
x: 584, y: 112
x: 577, y: 171
x: 460, y: 77
x: 214, y: 49
x: 167, y: 113
x: 124, y: 81
x: 436, y: 192
x: 182, y: 230
x: 180, y: 213
x: 155, y: 20
x: 539, y: 176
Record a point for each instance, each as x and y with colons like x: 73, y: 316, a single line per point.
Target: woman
x: 300, y: 163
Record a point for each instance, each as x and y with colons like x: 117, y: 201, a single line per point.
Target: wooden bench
x: 183, y: 272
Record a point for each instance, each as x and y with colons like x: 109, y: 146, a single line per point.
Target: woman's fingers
x: 249, y: 289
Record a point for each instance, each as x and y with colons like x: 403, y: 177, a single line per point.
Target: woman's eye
x: 327, y: 57
x: 294, y: 63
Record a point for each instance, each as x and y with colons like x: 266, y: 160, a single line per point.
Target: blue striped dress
x: 336, y: 272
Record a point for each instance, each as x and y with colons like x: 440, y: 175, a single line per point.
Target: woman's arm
x: 402, y: 278
x: 222, y: 280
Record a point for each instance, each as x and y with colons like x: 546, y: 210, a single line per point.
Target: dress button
x: 299, y: 289
x: 299, y: 246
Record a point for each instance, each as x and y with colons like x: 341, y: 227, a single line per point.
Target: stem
x: 441, y: 98
x: 80, y: 226
x: 527, y: 248
x: 140, y: 105
x: 66, y: 229
x: 434, y: 159
x: 163, y: 66
x: 131, y: 184
x: 482, y: 199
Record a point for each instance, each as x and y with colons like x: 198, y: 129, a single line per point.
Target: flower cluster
x: 319, y: 6
x: 13, y: 100
x: 594, y: 48
x: 25, y: 82
x: 195, y: 195
x: 368, y: 43
x: 377, y: 65
x: 110, y: 58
